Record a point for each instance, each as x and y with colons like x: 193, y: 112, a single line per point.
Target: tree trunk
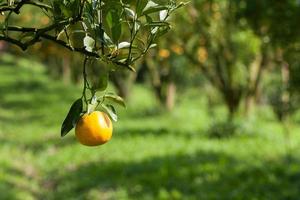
x: 120, y: 85
x: 256, y: 73
x: 285, y: 96
x: 122, y: 81
x: 170, y: 96
x: 66, y: 70
x: 249, y: 104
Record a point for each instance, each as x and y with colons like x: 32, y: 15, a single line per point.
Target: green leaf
x: 181, y: 4
x: 163, y: 14
x: 89, y: 43
x: 123, y: 45
x: 124, y: 64
x: 75, y: 7
x: 136, y: 26
x: 57, y: 13
x: 11, y: 2
x: 72, y: 117
x: 140, y: 5
x: 65, y: 10
x: 158, y: 23
x: 102, y: 81
x: 114, y: 21
x: 109, y: 109
x: 163, y: 31
x: 116, y: 32
x: 130, y: 13
x: 106, y: 39
x: 152, y: 46
x: 149, y: 19
x: 61, y: 35
x: 89, y: 12
x: 152, y: 7
x: 115, y: 98
x: 154, y: 30
x: 92, y: 106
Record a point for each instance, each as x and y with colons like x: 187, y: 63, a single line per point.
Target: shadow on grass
x: 40, y: 144
x: 12, y: 188
x: 144, y: 112
x: 30, y: 97
x: 38, y: 94
x: 6, y: 191
x: 157, y: 131
x: 204, y: 175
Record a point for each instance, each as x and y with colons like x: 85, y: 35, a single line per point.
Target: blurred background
x: 212, y: 112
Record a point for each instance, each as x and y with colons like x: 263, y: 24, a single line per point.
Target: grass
x: 153, y: 155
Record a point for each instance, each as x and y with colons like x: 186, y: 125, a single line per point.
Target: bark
x: 156, y: 80
x: 66, y: 70
x: 170, y: 96
x: 122, y: 81
x: 256, y: 74
x: 285, y: 96
x: 120, y: 85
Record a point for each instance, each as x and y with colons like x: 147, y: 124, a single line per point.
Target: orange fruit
x: 164, y: 53
x: 94, y: 129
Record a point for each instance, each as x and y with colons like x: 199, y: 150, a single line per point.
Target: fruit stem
x: 85, y: 81
x: 100, y: 23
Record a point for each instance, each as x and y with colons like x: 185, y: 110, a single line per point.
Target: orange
x: 94, y: 129
x: 202, y: 54
x: 177, y: 49
x: 164, y: 53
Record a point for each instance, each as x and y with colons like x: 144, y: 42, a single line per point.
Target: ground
x: 153, y: 154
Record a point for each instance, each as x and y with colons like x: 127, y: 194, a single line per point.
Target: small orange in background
x: 164, y: 53
x: 94, y: 129
x: 202, y: 54
x: 177, y: 49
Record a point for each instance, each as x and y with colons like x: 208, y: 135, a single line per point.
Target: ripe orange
x: 94, y: 129
x: 164, y: 53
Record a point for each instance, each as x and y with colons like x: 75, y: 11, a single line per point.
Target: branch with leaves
x: 111, y: 32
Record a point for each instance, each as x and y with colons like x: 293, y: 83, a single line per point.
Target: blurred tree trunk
x: 163, y: 85
x: 66, y: 69
x: 285, y: 99
x: 255, y: 75
x: 156, y: 82
x: 285, y: 76
x: 123, y: 80
x: 171, y: 96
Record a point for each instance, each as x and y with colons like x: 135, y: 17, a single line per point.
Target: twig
x: 16, y: 9
x: 100, y: 21
x: 84, y: 80
x: 14, y: 41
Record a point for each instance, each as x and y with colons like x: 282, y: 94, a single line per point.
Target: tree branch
x: 66, y: 45
x: 16, y: 9
x: 4, y: 7
x: 41, y: 33
x: 14, y: 41
x: 203, y: 68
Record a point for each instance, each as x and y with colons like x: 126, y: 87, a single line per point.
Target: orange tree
x: 221, y: 46
x: 111, y: 34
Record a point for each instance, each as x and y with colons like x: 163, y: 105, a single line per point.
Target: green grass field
x: 153, y: 154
